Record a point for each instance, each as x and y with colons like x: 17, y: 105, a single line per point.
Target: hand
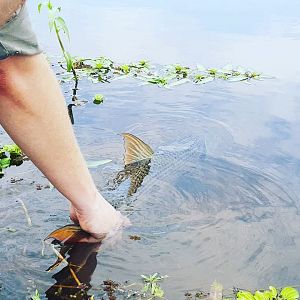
x: 101, y: 220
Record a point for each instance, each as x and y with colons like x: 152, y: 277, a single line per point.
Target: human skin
x: 8, y: 8
x: 34, y: 114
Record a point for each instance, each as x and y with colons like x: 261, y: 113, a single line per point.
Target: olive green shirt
x: 17, y: 37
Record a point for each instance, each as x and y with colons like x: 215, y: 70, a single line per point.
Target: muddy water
x: 227, y: 209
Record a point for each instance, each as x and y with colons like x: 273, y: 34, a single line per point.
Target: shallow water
x: 230, y: 212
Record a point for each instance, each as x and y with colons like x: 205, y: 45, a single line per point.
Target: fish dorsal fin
x: 135, y: 149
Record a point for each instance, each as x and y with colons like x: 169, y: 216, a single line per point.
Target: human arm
x: 33, y: 112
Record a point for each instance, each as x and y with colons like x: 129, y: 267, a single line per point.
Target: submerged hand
x: 100, y: 220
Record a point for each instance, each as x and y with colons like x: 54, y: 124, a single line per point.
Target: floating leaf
x: 205, y: 80
x: 68, y: 234
x: 4, y: 163
x: 273, y: 292
x: 261, y: 295
x: 98, y: 99
x: 12, y: 149
x: 97, y: 163
x: 289, y: 293
x: 245, y: 295
x: 36, y: 296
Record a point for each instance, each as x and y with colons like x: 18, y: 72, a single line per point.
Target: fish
x: 137, y: 163
x: 139, y: 159
x: 68, y: 234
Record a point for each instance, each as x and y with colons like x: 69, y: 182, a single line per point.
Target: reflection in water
x: 73, y: 281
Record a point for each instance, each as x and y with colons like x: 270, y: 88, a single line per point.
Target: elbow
x: 10, y: 85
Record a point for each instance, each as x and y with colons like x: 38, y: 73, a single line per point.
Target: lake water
x: 228, y: 212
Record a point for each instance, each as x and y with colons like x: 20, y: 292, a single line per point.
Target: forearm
x: 33, y: 112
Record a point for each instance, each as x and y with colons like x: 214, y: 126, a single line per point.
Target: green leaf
x: 289, y: 293
x: 153, y: 288
x: 159, y: 292
x: 36, y: 296
x: 98, y: 99
x: 273, y: 292
x: 146, y: 288
x: 51, y: 24
x: 40, y: 7
x: 63, y: 26
x: 261, y: 295
x: 205, y: 80
x: 12, y: 149
x: 69, y: 61
x: 4, y: 163
x: 244, y: 295
x: 50, y: 6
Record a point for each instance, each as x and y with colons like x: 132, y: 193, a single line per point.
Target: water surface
x: 230, y: 213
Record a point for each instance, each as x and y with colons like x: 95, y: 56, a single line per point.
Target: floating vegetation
x: 36, y: 296
x: 167, y: 76
x: 135, y: 237
x: 102, y: 69
x: 10, y: 155
x: 152, y: 286
x: 287, y: 293
x: 98, y: 99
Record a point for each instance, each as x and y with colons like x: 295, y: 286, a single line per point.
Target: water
x: 231, y: 214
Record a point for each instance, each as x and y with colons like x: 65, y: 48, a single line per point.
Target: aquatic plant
x: 98, y: 99
x: 151, y: 285
x: 158, y: 80
x: 10, y: 155
x: 103, y: 70
x: 178, y: 70
x: 36, y: 296
x: 56, y: 22
x: 287, y: 293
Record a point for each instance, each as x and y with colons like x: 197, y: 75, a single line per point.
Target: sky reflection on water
x: 259, y: 35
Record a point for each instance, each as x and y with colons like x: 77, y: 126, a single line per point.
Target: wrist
x: 89, y: 203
